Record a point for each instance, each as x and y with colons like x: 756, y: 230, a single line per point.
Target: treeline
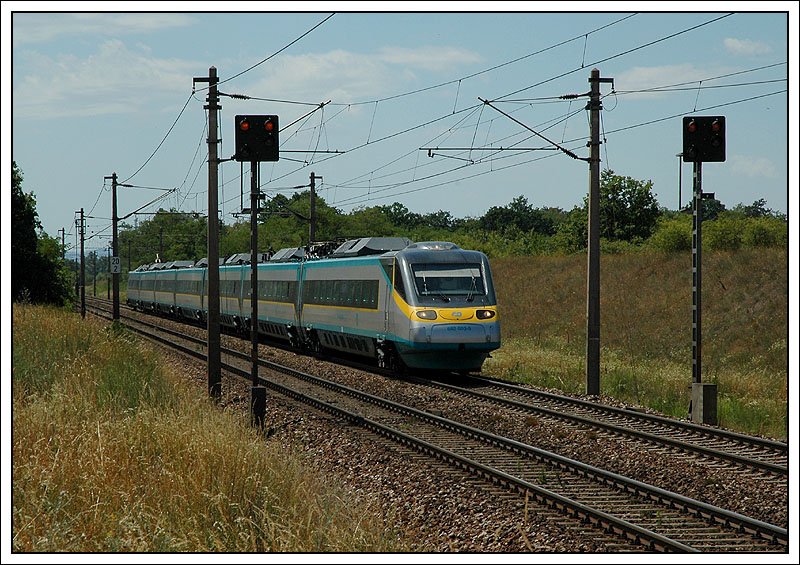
x: 39, y: 273
x: 630, y: 220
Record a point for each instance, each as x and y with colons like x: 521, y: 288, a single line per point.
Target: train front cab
x: 444, y: 314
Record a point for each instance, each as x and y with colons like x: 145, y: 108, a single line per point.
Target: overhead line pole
x: 213, y: 321
x: 83, y: 271
x: 312, y: 230
x: 114, y: 274
x: 593, y: 269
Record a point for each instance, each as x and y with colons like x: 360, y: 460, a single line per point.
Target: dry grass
x: 112, y: 453
x: 646, y: 330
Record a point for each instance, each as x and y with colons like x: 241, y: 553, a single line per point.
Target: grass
x: 646, y: 330
x: 111, y: 452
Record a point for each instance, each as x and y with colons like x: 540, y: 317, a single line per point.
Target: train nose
x: 456, y: 315
x: 454, y: 333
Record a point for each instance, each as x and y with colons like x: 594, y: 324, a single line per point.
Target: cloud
x: 643, y: 78
x: 114, y: 79
x: 429, y: 58
x: 755, y: 167
x: 746, y: 47
x: 345, y: 76
x: 29, y: 28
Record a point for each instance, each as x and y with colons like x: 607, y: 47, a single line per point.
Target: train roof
x: 288, y: 254
x: 370, y: 246
x: 351, y: 248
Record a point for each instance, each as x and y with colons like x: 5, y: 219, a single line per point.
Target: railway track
x: 655, y: 519
x: 743, y: 452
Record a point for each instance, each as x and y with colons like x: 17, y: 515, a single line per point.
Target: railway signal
x: 256, y: 138
x: 703, y: 139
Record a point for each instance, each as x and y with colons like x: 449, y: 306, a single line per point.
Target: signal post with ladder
x: 703, y: 141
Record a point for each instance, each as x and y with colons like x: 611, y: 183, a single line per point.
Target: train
x: 421, y: 306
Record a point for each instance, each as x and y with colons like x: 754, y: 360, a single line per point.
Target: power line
x: 495, y: 67
x: 282, y: 49
x: 347, y: 105
x: 163, y: 140
x: 515, y: 92
x: 620, y: 54
x: 355, y: 200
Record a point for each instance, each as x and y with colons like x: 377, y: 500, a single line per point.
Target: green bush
x: 673, y: 235
x: 765, y: 232
x: 723, y: 234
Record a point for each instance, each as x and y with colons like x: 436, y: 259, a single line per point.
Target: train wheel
x: 389, y: 359
x: 314, y: 344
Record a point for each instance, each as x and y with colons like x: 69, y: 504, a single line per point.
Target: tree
x: 628, y: 208
x: 400, y: 216
x: 757, y: 209
x: 710, y: 208
x: 38, y: 274
x: 628, y: 212
x: 519, y: 214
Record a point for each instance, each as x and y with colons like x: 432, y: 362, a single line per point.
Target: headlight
x: 484, y: 314
x: 426, y: 314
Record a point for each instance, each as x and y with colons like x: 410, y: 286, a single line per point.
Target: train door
x: 203, y: 289
x: 389, y: 266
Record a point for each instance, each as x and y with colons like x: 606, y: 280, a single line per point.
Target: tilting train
x: 427, y: 305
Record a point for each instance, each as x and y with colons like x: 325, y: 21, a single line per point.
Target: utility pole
x: 83, y: 271
x: 108, y: 286
x: 679, y: 156
x: 593, y: 272
x: 114, y: 254
x: 312, y: 230
x: 161, y: 243
x: 94, y: 274
x: 77, y: 268
x: 213, y: 330
x: 63, y: 246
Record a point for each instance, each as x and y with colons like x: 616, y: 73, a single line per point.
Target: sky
x: 436, y: 110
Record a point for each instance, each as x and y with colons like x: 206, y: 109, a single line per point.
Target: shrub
x: 765, y: 232
x: 723, y: 234
x: 673, y: 235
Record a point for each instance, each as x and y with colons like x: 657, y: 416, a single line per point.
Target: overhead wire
x: 369, y: 142
x: 615, y: 56
x: 501, y: 99
x: 355, y: 200
x: 344, y: 185
x: 162, y: 140
x: 346, y: 105
x: 493, y: 68
x: 278, y: 52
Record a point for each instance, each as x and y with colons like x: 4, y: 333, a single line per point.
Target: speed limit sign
x: 115, y: 265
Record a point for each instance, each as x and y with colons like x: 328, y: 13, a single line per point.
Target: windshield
x: 448, y: 279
